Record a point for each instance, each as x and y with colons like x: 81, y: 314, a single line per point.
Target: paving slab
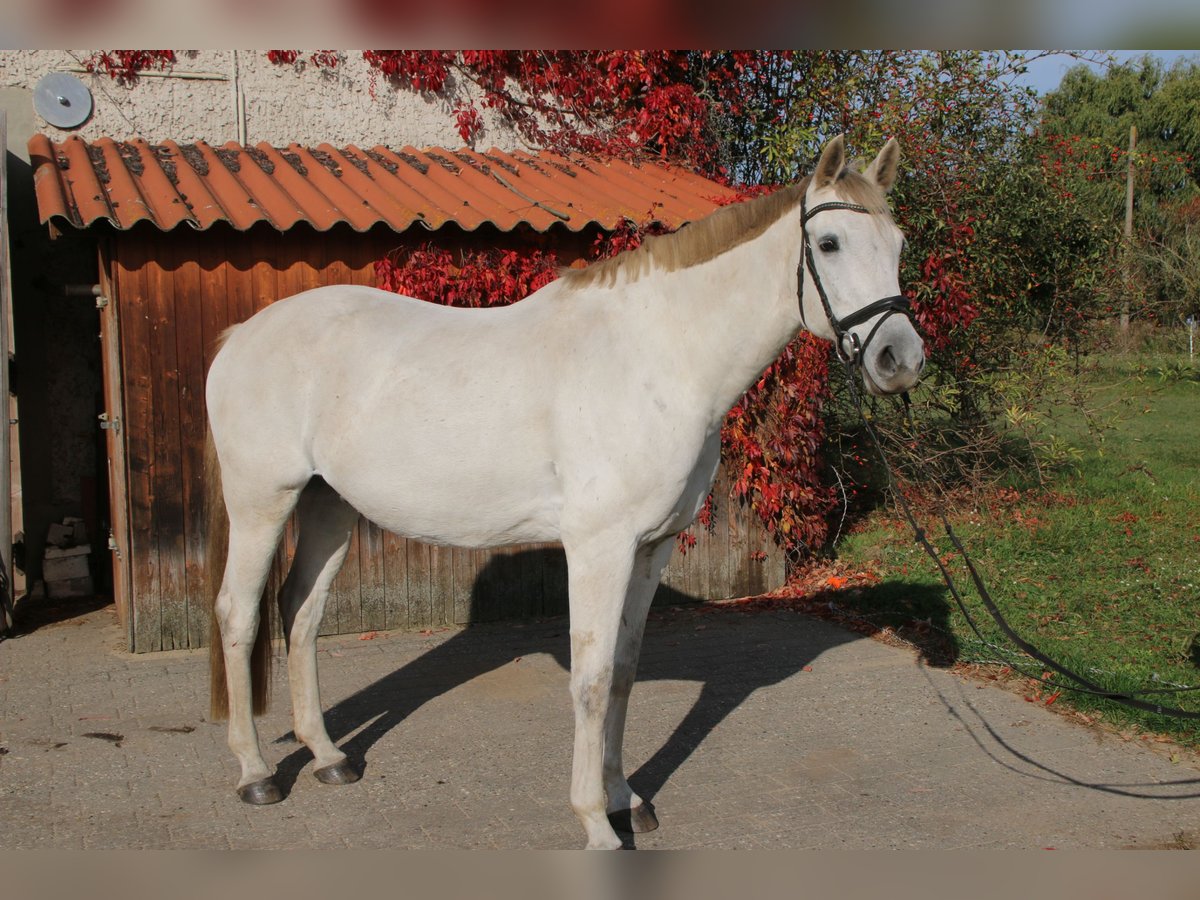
x: 751, y: 730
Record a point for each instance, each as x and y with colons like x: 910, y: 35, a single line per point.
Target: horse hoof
x: 638, y: 820
x: 260, y: 793
x: 340, y: 772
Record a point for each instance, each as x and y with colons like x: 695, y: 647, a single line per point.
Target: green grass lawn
x: 1100, y: 571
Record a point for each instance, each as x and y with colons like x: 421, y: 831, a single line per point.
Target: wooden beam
x: 6, y: 512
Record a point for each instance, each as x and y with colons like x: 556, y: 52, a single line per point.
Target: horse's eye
x: 828, y: 244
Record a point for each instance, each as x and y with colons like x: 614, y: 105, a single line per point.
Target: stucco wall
x: 283, y: 103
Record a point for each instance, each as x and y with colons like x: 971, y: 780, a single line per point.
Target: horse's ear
x: 833, y: 160
x: 883, y: 170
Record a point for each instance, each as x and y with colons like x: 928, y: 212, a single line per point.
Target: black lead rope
x: 1082, y: 685
x: 853, y: 357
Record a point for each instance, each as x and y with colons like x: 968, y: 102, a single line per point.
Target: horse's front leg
x: 626, y: 810
x: 598, y: 575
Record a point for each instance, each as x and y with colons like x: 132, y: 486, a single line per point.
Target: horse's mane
x: 720, y: 231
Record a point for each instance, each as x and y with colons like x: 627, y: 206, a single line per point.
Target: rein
x: 1081, y: 684
x: 853, y: 358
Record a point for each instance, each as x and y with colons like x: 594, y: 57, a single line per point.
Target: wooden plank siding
x: 173, y: 295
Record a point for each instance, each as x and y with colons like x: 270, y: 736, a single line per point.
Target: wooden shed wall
x: 172, y: 295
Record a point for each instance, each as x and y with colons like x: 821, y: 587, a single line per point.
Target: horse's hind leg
x: 626, y: 810
x: 326, y: 525
x: 255, y: 525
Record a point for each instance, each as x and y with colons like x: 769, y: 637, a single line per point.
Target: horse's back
x: 325, y: 318
x: 350, y: 337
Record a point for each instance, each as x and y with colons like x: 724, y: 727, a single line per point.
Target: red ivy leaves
x: 671, y: 116
x: 420, y: 70
x: 478, y: 278
x: 469, y: 122
x: 618, y: 102
x: 944, y: 304
x: 322, y: 59
x: 325, y: 59
x: 124, y: 65
x: 771, y: 442
x: 628, y: 235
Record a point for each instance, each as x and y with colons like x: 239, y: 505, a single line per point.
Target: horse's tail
x: 217, y: 534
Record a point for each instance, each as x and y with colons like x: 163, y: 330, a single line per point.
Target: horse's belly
x: 461, y: 506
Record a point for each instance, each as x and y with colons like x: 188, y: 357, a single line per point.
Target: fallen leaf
x: 369, y: 636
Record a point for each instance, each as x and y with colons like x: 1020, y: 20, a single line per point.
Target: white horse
x: 589, y: 413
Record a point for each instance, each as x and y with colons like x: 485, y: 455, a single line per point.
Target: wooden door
x: 113, y: 422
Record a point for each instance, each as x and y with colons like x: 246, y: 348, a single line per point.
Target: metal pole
x: 1128, y: 231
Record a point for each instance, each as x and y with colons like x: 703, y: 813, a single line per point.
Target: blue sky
x: 1045, y: 74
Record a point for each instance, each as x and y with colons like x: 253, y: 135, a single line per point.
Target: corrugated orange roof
x: 126, y: 182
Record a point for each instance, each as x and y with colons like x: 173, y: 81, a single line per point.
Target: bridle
x: 888, y: 306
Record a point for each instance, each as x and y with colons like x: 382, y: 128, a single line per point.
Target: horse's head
x: 850, y: 292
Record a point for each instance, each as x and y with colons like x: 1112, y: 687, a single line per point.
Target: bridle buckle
x: 853, y: 356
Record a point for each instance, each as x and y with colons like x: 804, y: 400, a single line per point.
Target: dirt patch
x: 1181, y: 840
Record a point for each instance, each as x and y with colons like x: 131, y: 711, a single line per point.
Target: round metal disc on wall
x: 62, y: 100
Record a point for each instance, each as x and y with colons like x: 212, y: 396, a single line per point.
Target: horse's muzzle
x: 893, y: 367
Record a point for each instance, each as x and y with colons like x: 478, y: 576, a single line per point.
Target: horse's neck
x: 720, y: 323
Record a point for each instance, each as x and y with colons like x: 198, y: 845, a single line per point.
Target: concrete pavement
x: 761, y: 729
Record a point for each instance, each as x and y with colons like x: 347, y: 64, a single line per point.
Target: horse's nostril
x: 886, y: 361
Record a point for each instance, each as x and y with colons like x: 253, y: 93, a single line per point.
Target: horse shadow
x: 31, y: 614
x: 733, y: 663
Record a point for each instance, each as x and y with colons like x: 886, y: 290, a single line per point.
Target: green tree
x: 1085, y: 126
